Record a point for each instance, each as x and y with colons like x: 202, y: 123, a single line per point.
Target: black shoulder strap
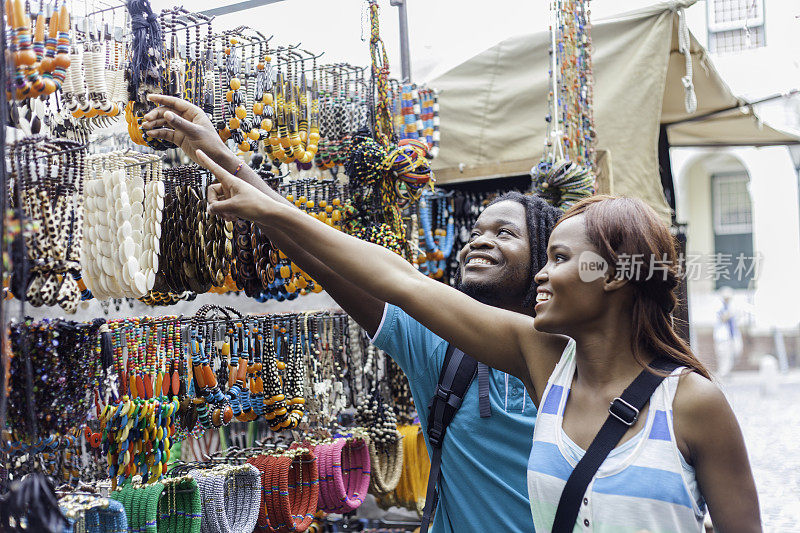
x: 622, y: 414
x: 456, y: 375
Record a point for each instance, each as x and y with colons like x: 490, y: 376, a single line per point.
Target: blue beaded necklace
x: 439, y: 242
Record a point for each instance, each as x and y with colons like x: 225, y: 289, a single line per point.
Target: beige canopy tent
x: 493, y: 106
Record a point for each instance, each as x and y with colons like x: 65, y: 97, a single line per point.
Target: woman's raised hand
x: 183, y: 124
x: 231, y: 197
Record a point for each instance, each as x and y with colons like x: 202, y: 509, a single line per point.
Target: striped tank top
x: 643, y: 485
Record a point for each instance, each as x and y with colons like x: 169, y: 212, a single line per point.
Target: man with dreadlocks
x: 484, y: 459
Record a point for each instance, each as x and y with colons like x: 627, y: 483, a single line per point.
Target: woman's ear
x: 613, y: 282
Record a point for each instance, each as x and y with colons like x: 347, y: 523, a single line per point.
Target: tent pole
x: 239, y: 6
x: 741, y: 105
x: 3, y: 229
x: 681, y: 312
x: 405, y: 55
x: 665, y: 170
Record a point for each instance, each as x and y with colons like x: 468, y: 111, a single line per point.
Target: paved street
x: 771, y: 426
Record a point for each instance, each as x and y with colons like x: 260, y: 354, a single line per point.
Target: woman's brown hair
x: 627, y: 232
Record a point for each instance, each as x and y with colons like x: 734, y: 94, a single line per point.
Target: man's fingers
x: 225, y: 178
x: 158, y: 122
x: 178, y: 122
x: 165, y: 134
x: 180, y: 105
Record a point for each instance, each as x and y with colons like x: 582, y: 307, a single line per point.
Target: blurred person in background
x: 727, y: 334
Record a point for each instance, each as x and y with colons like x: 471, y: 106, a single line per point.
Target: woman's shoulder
x: 697, y: 394
x: 701, y: 412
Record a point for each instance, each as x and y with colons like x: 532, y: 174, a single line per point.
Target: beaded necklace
x: 137, y: 430
x: 49, y: 175
x: 124, y: 207
x: 295, y: 377
x: 439, y: 243
x: 94, y: 514
x: 344, y: 473
x: 36, y: 73
x: 430, y: 118
x: 51, y: 374
x: 275, y: 409
x: 231, y: 495
x: 566, y: 172
x: 173, y: 506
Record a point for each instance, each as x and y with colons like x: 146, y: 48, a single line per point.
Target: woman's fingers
x: 227, y: 209
x: 178, y: 122
x: 225, y: 178
x: 216, y: 192
x: 154, y: 114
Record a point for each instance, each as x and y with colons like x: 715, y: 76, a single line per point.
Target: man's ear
x: 613, y: 283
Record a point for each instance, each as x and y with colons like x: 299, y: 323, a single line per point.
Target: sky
x: 442, y: 33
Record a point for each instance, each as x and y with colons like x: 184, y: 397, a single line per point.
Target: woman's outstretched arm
x: 499, y: 338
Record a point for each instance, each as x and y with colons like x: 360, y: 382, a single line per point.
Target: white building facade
x: 741, y: 205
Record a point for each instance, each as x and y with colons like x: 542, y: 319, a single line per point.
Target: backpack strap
x: 622, y: 414
x: 485, y: 407
x: 456, y: 375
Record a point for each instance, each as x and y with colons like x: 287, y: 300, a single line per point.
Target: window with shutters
x: 735, y: 25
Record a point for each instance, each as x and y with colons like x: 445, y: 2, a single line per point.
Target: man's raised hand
x: 183, y: 124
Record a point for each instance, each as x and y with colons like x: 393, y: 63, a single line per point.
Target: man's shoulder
x: 413, y: 346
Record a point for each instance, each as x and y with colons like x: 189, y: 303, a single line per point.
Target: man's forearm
x: 365, y: 309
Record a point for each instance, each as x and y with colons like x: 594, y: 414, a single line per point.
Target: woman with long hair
x: 603, y: 314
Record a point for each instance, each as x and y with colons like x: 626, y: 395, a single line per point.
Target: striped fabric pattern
x: 644, y: 483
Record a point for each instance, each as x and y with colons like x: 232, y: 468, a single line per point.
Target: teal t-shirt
x: 484, y: 460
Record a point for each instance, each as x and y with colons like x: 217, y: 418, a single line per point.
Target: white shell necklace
x: 122, y: 227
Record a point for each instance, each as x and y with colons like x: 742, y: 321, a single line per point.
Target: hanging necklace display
x: 39, y: 63
x: 49, y: 176
x: 91, y: 92
x: 52, y: 369
x: 231, y: 495
x: 145, y: 71
x: 276, y: 412
x: 295, y: 376
x: 438, y: 242
x: 430, y: 118
x: 385, y: 443
x: 93, y: 513
x: 323, y: 371
x: 136, y: 431
x: 213, y: 405
x: 124, y: 202
x: 566, y: 173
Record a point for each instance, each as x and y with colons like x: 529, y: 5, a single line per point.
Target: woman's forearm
x: 491, y: 334
x: 380, y: 272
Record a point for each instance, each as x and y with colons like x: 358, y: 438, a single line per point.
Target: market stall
x: 493, y: 105
x: 156, y: 421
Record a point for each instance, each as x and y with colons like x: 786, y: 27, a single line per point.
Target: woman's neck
x: 604, y: 353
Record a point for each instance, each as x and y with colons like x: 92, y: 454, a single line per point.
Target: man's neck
x: 513, y: 306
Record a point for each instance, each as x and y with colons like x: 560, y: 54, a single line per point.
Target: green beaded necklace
x: 170, y: 507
